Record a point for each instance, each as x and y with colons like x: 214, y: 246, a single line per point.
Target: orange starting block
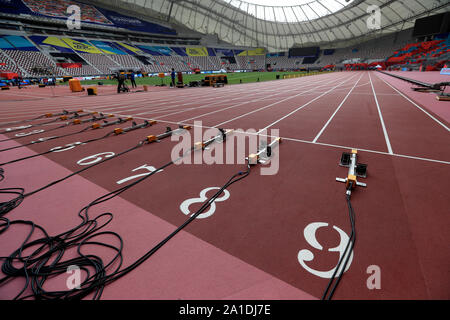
x: 75, y: 85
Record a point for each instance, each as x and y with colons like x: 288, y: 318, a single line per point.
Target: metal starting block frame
x: 220, y: 138
x: 266, y: 152
x: 355, y: 170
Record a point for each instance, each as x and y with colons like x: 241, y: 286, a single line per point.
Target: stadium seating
x: 102, y: 62
x: 127, y: 61
x: 31, y: 54
x: 31, y: 60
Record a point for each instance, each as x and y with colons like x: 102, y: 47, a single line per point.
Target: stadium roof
x: 289, y: 10
x: 279, y: 25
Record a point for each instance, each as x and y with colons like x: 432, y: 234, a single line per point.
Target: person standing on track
x: 121, y: 80
x: 173, y: 75
x: 133, y: 81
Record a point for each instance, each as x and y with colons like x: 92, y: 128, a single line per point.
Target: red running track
x: 249, y: 247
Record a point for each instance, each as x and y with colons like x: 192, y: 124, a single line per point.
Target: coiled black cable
x: 18, y: 196
x: 37, y: 267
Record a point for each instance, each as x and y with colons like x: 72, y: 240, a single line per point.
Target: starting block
x: 355, y: 170
x: 444, y: 97
x: 92, y: 91
x: 264, y: 154
x: 221, y: 137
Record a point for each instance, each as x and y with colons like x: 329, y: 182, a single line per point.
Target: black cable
x: 64, y: 112
x: 140, y: 144
x: 328, y: 295
x: 105, y: 124
x: 29, y: 126
x: 7, y: 206
x: 50, y: 151
x: 48, y: 139
x: 44, y: 131
x: 37, y: 267
x: 75, y: 116
x: 21, y: 121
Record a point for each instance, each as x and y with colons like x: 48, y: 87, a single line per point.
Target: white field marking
x: 79, y: 105
x: 335, y: 112
x: 345, y: 88
x: 415, y: 104
x: 80, y: 96
x: 370, y: 94
x: 303, y: 106
x: 160, y: 99
x: 183, y: 98
x: 386, y: 136
x: 192, y: 94
x: 28, y: 95
x: 135, y: 103
x: 165, y: 106
x: 236, y: 105
x: 257, y: 100
x: 202, y: 102
x: 175, y: 106
x: 268, y: 106
x: 286, y: 85
x: 107, y: 106
x: 310, y: 142
x: 213, y: 104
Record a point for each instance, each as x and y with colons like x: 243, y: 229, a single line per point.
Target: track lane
x: 411, y: 130
x: 357, y: 124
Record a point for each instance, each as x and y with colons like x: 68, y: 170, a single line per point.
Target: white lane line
x: 265, y: 107
x: 305, y: 105
x: 415, y: 104
x: 335, y: 112
x: 203, y: 104
x: 253, y: 93
x: 195, y: 125
x: 386, y: 136
x: 256, y: 100
x: 139, y: 102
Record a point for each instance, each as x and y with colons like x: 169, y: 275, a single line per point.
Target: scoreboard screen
x: 304, y: 52
x: 432, y: 25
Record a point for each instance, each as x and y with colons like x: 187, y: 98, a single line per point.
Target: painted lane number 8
x: 184, y: 207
